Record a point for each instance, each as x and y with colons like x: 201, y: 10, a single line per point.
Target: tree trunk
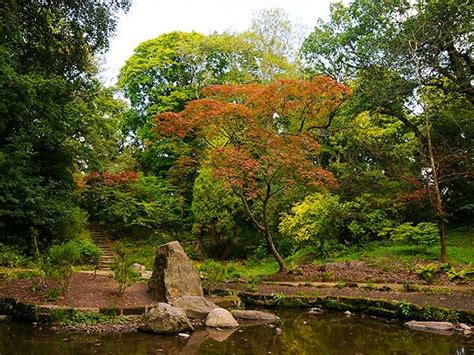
x: 274, y: 251
x: 438, y: 198
x: 442, y: 234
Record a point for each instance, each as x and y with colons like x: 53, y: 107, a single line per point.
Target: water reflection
x: 302, y: 334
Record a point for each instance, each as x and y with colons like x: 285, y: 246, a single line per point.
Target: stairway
x: 105, y: 243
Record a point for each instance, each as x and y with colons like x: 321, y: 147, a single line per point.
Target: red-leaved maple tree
x: 257, y: 139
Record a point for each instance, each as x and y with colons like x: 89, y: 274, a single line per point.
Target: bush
x: 461, y: 274
x: 12, y: 257
x: 215, y: 272
x: 127, y: 201
x: 422, y: 235
x: 60, y: 261
x: 123, y: 272
x: 90, y: 253
x: 329, y: 223
x: 427, y: 272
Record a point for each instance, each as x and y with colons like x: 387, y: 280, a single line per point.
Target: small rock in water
x: 430, y: 326
x: 277, y: 331
x: 220, y: 318
x: 184, y: 335
x: 348, y: 313
x: 461, y: 325
x: 467, y: 332
x: 3, y: 317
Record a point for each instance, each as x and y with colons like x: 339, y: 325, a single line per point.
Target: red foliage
x: 257, y: 136
x: 110, y: 179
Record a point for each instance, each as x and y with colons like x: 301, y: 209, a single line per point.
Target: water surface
x: 331, y: 333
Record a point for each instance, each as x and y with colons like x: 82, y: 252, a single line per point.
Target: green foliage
x: 53, y: 294
x: 433, y: 313
x: 327, y: 222
x: 60, y: 261
x: 464, y: 273
x: 422, y: 235
x: 12, y: 257
x: 123, y: 272
x: 405, y: 309
x: 73, y: 317
x: 214, y: 272
x: 90, y: 253
x: 409, y: 287
x: 427, y: 272
x: 142, y: 203
x: 215, y: 211
x: 48, y: 98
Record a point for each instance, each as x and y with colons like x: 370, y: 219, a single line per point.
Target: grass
x: 460, y: 249
x: 381, y: 255
x: 73, y: 317
x: 143, y: 250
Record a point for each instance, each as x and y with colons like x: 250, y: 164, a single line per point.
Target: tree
x: 47, y: 88
x: 163, y: 75
x: 166, y: 72
x: 214, y: 210
x: 274, y: 38
x: 395, y: 52
x: 256, y: 139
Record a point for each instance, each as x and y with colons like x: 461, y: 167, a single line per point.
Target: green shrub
x: 123, y: 272
x: 427, y: 272
x: 422, y: 235
x: 60, y: 261
x: 214, y: 272
x: 90, y: 253
x: 330, y: 224
x: 12, y: 257
x: 128, y: 202
x: 464, y: 273
x: 409, y: 287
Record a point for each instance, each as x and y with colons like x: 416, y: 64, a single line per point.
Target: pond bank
x: 399, y: 305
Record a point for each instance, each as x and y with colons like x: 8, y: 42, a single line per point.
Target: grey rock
x: 315, y: 310
x: 220, y: 318
x: 277, y: 331
x: 173, y: 274
x: 430, y: 326
x: 3, y: 317
x: 165, y: 319
x: 196, y: 307
x: 464, y: 326
x: 255, y: 316
x: 138, y: 267
x: 348, y: 313
x: 184, y: 335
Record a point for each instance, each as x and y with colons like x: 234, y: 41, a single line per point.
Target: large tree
x: 399, y: 56
x: 47, y: 97
x: 256, y: 139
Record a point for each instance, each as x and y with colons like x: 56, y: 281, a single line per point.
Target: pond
x: 331, y: 333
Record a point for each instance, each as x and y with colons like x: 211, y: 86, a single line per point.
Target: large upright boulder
x: 173, y: 274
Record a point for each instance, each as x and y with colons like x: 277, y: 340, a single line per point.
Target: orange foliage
x: 111, y: 179
x: 257, y: 136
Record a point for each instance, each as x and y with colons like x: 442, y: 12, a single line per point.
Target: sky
x: 148, y: 19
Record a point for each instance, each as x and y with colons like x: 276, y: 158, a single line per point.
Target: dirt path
x: 84, y: 291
